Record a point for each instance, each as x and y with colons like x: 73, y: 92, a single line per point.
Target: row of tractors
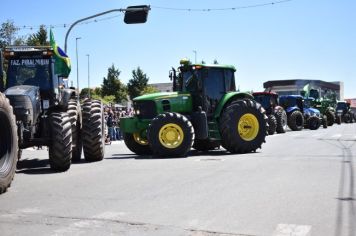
x: 298, y: 112
x: 203, y: 112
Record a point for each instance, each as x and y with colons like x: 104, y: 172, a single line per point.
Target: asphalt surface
x: 299, y: 183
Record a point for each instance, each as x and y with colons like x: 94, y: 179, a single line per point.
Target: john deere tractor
x: 204, y: 109
x: 277, y: 116
x: 47, y: 112
x: 325, y: 105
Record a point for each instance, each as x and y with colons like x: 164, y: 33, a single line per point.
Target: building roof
x: 329, y: 85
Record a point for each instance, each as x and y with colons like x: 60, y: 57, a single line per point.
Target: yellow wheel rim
x: 171, y: 135
x: 248, y: 127
x: 142, y: 141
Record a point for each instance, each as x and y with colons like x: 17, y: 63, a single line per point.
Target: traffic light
x: 136, y: 14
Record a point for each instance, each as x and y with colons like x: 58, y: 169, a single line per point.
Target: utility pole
x: 76, y: 53
x: 88, y: 76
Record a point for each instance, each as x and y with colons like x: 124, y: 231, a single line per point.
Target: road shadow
x: 192, y: 153
x: 34, y: 167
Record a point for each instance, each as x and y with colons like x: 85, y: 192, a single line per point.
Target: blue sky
x: 300, y: 39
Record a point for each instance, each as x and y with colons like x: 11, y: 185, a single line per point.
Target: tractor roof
x: 223, y: 66
x: 265, y: 93
x: 292, y: 96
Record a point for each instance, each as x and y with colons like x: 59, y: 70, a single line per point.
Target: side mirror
x: 170, y: 75
x: 136, y: 14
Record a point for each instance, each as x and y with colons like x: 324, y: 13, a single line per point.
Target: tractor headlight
x: 137, y: 112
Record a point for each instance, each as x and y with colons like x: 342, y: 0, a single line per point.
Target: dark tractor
x: 277, y: 116
x: 293, y: 105
x: 204, y: 109
x: 343, y: 112
x: 47, y: 112
x: 310, y: 113
x: 325, y: 105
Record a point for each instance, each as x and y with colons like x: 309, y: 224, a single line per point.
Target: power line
x: 222, y: 9
x: 65, y: 25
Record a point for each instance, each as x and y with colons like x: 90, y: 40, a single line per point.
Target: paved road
x: 300, y: 183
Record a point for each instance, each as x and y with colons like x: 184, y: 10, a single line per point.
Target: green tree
x: 150, y: 89
x: 8, y: 33
x: 39, y: 38
x: 112, y: 85
x: 137, y: 84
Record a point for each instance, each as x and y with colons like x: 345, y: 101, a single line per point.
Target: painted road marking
x: 292, y: 230
x: 335, y: 136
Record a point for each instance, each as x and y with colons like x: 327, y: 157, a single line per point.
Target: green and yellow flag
x: 62, y: 64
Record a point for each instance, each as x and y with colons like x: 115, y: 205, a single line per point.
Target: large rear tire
x: 137, y: 144
x: 75, y: 117
x: 60, y: 148
x: 93, y: 130
x: 8, y: 144
x: 282, y: 121
x: 296, y: 121
x: 243, y: 126
x: 170, y: 135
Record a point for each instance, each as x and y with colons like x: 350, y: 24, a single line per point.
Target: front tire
x: 313, y: 123
x: 60, y: 148
x: 282, y: 121
x: 296, y: 121
x: 170, y: 135
x: 330, y: 117
x: 8, y: 144
x: 137, y: 144
x: 243, y: 126
x: 93, y: 130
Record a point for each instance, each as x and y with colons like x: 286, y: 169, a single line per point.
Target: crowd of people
x: 112, y: 121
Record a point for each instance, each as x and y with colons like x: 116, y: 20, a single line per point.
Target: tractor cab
x: 292, y: 102
x: 268, y: 100
x: 30, y: 67
x: 342, y: 107
x: 207, y: 83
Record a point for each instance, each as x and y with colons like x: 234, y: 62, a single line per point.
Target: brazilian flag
x: 62, y: 65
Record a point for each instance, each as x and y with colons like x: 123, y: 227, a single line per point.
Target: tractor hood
x: 150, y: 105
x: 159, y: 96
x: 312, y: 111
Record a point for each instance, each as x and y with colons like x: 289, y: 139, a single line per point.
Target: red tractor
x: 277, y: 117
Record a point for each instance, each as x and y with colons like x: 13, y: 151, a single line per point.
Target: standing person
x: 110, y: 124
x: 118, y: 133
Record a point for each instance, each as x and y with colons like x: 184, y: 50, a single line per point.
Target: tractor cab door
x: 216, y: 82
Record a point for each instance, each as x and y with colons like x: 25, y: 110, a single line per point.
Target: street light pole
x: 127, y: 10
x: 88, y: 76
x: 195, y: 52
x: 76, y: 53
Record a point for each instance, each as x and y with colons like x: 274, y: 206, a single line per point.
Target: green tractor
x: 325, y: 105
x: 204, y: 108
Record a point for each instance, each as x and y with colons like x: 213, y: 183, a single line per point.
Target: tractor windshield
x: 308, y: 103
x: 341, y: 106
x: 29, y: 71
